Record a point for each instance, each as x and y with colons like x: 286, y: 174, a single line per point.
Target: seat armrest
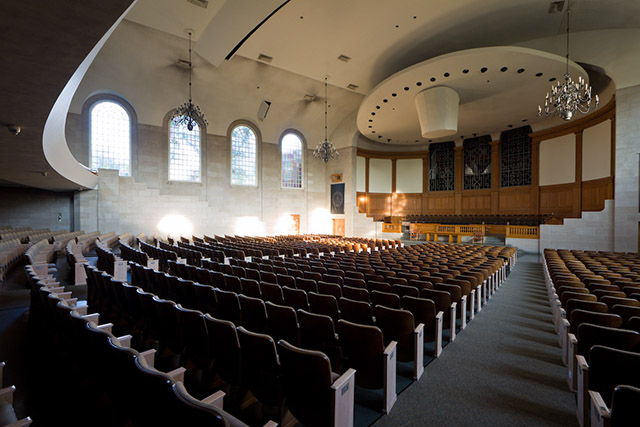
x: 149, y: 357
x: 21, y: 423
x: 390, y: 356
x: 81, y: 309
x: 452, y: 321
x: 438, y: 343
x: 572, y: 365
x: 93, y: 317
x: 463, y: 312
x: 1, y: 373
x: 177, y: 374
x: 216, y: 399
x: 6, y: 394
x: 418, y: 348
x: 108, y: 327
x: 600, y: 413
x: 583, y: 395
x: 125, y: 341
x: 343, y: 393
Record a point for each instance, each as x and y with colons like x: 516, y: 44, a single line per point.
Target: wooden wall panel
x: 440, y: 202
x: 407, y: 204
x: 379, y: 204
x: 558, y: 200
x: 595, y: 192
x: 362, y: 202
x: 476, y: 202
x: 515, y: 200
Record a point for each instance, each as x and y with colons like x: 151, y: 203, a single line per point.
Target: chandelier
x: 570, y: 97
x: 189, y: 114
x: 325, y: 149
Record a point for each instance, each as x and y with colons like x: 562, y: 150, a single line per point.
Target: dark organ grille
x: 442, y: 166
x: 477, y: 163
x: 515, y: 157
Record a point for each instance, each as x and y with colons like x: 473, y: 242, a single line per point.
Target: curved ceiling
x: 499, y: 88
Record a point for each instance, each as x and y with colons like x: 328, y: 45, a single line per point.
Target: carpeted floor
x: 504, y: 369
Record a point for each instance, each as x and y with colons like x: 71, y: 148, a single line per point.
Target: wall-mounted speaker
x: 263, y: 110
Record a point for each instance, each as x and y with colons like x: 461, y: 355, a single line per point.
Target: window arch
x: 110, y: 135
x: 291, y: 147
x: 184, y: 152
x: 244, y: 155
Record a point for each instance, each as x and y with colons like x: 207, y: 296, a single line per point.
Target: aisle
x: 504, y: 369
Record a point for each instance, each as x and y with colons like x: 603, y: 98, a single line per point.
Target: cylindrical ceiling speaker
x: 438, y: 111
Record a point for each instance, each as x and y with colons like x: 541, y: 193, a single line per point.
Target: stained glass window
x: 110, y: 137
x: 515, y: 157
x: 291, y: 161
x: 243, y: 156
x: 442, y: 166
x: 184, y: 152
x: 477, y: 163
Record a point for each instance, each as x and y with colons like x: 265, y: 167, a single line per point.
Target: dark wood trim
x: 391, y: 154
x: 425, y: 173
x: 393, y: 175
x: 612, y: 171
x: 458, y: 178
x: 495, y: 177
x: 577, y: 206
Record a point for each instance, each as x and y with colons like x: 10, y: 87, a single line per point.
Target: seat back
x: 589, y: 335
x: 363, y: 349
x: 386, y: 299
x: 195, y: 336
x: 624, y: 404
x: 272, y: 293
x: 228, y: 307
x: 261, y: 369
x: 609, y: 368
x: 356, y: 311
x: 225, y: 349
x: 357, y: 294
x: 306, y: 285
x: 306, y: 377
x: 282, y: 322
x: 574, y: 304
x: 317, y: 332
x: 324, y: 304
x: 254, y: 314
x: 397, y: 325
x: 603, y: 319
x: 441, y: 299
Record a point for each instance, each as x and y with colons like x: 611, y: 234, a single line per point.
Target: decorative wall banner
x: 337, y: 198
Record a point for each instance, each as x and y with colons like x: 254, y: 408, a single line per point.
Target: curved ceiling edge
x: 54, y: 141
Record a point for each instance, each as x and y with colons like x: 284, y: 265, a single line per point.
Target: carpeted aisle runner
x: 504, y: 369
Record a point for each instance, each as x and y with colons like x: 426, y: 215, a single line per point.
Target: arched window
x: 243, y: 156
x: 291, y: 146
x: 110, y: 137
x: 184, y: 152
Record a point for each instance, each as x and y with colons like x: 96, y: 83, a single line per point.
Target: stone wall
x: 32, y: 207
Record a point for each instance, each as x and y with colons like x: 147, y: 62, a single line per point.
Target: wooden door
x: 295, y: 224
x: 338, y: 226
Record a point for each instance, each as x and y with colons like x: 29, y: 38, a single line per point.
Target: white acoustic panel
x: 558, y: 160
x: 409, y: 176
x: 596, y: 151
x: 380, y: 175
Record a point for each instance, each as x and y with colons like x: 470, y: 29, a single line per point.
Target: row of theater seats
x: 244, y: 359
x: 111, y: 382
x: 528, y: 220
x: 595, y: 299
x: 276, y: 312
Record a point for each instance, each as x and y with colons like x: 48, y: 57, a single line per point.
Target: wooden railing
x: 456, y: 232
x: 523, y: 232
x: 391, y: 228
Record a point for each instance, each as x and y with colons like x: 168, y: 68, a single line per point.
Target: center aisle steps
x: 504, y: 370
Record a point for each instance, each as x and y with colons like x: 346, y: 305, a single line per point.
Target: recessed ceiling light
x: 351, y: 86
x: 344, y: 58
x: 309, y: 98
x: 201, y: 3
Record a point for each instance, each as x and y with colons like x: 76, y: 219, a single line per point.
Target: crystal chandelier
x: 570, y: 97
x: 189, y: 114
x: 325, y: 149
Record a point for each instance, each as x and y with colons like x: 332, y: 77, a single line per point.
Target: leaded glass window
x: 515, y: 157
x: 243, y: 156
x: 477, y: 163
x: 291, y: 161
x: 110, y: 137
x: 442, y: 166
x: 184, y: 152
